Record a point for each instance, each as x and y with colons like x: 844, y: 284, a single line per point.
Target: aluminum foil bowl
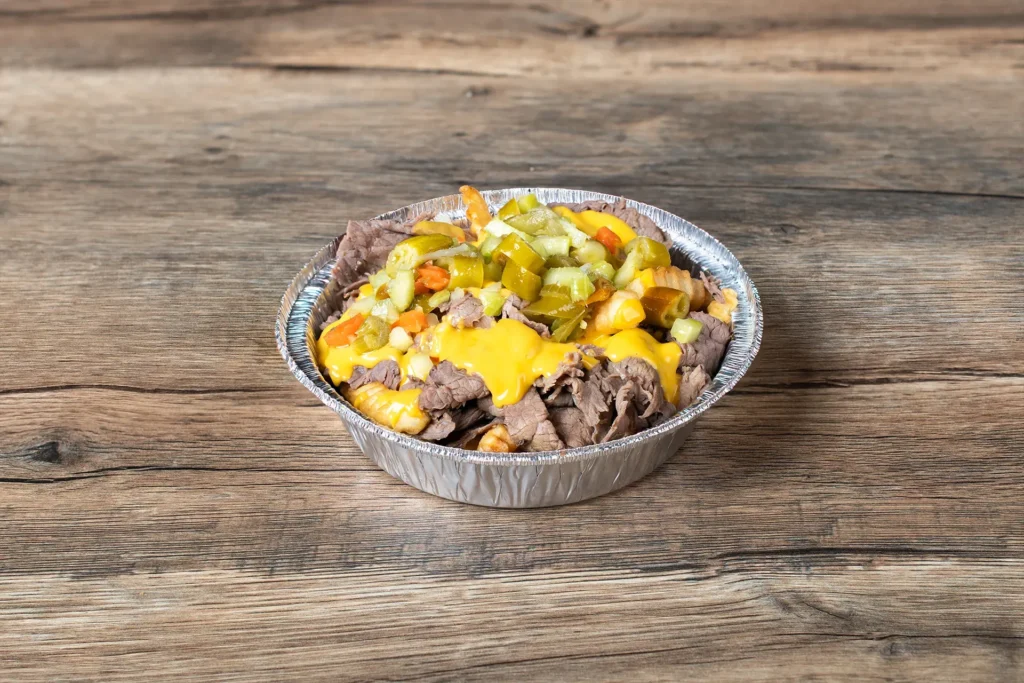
x: 521, y: 480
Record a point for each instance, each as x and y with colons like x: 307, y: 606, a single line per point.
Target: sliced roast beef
x: 448, y: 387
x: 366, y: 245
x: 594, y: 401
x: 649, y: 396
x: 709, y: 348
x: 626, y: 420
x: 713, y: 287
x: 511, y: 310
x: 444, y: 423
x: 570, y: 426
x: 691, y: 384
x: 468, y: 312
x: 486, y: 404
x: 386, y: 372
x: 523, y: 417
x: 545, y: 439
x: 640, y: 223
x: 557, y: 389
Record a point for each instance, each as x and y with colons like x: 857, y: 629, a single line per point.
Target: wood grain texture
x: 173, y: 503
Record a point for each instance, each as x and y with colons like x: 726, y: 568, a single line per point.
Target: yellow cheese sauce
x: 339, y: 361
x: 508, y: 356
x: 397, y: 409
x: 639, y: 344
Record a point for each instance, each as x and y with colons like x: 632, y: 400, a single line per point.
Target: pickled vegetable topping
x: 509, y: 312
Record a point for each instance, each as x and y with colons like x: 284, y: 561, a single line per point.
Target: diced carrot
x: 609, y: 239
x: 343, y: 334
x: 433, y: 278
x: 413, y: 321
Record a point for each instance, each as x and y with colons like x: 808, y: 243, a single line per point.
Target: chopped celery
x: 379, y: 279
x: 528, y: 202
x: 541, y: 221
x: 494, y: 286
x: 489, y: 244
x: 510, y: 208
x: 465, y: 271
x: 601, y: 269
x: 652, y: 253
x: 630, y: 269
x: 371, y: 335
x: 686, y: 330
x: 551, y: 306
x: 580, y: 286
x: 385, y: 309
x: 466, y: 249
x: 514, y: 248
x: 492, y: 301
x: 577, y: 236
x: 663, y: 305
x: 363, y: 304
x: 501, y: 228
x: 402, y: 288
x: 439, y: 298
x: 409, y: 252
x: 421, y: 302
x: 562, y: 330
x: 552, y: 246
x: 521, y: 281
x: 592, y: 251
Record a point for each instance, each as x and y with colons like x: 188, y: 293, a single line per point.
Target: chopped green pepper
x: 562, y: 330
x: 521, y: 281
x: 421, y: 302
x: 653, y: 254
x: 510, y: 208
x: 541, y: 221
x: 579, y: 285
x: 552, y: 306
x: 489, y: 244
x: 600, y: 269
x: 629, y: 270
x: 492, y: 301
x: 515, y: 248
x: 465, y: 271
x: 686, y: 330
x: 528, y: 202
x: 664, y: 305
x: 371, y: 335
x: 492, y: 271
x: 561, y: 262
x: 409, y: 253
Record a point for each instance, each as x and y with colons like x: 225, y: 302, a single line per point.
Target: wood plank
x: 577, y: 38
x: 856, y: 619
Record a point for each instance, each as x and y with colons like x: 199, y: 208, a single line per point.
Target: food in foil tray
x: 534, y: 328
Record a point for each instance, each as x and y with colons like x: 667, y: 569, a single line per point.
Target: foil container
x: 521, y: 480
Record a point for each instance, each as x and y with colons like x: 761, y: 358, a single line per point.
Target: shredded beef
x: 691, y: 384
x: 448, y: 387
x: 445, y: 423
x: 486, y: 404
x: 523, y: 417
x: 626, y: 420
x: 545, y: 439
x: 640, y: 223
x: 386, y: 372
x: 570, y: 426
x: 366, y: 245
x: 708, y: 349
x: 511, y: 310
x: 594, y: 402
x: 468, y: 312
x: 649, y: 397
x: 556, y: 390
x: 713, y: 287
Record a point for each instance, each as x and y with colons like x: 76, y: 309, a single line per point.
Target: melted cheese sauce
x: 639, y: 344
x: 508, y: 356
x: 339, y: 361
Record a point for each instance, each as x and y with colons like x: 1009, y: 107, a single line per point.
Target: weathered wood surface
x: 173, y: 503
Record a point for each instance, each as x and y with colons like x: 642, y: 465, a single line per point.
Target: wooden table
x: 174, y: 503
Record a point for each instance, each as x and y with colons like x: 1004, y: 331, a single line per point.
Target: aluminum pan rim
x: 291, y: 330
